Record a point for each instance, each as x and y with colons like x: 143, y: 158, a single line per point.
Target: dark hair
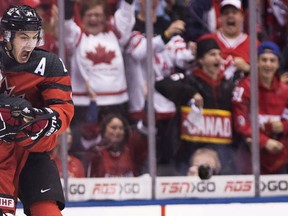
x: 88, y: 4
x: 108, y: 118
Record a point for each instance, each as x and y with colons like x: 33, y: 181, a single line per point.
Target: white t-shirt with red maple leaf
x: 98, y: 59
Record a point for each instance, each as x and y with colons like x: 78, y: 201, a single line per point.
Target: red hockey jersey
x: 45, y: 82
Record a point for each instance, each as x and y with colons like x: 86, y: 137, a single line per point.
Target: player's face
x: 268, y: 64
x: 94, y: 20
x: 231, y: 20
x: 115, y: 131
x: 211, y: 62
x: 23, y: 44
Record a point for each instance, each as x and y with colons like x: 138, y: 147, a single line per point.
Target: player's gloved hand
x: 39, y: 122
x: 10, y: 119
x: 9, y: 124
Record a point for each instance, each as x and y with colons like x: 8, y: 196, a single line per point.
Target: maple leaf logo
x: 5, y: 88
x: 101, y: 55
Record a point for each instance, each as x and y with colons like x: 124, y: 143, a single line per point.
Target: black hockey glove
x: 8, y: 124
x: 10, y: 120
x: 40, y: 122
x: 17, y: 114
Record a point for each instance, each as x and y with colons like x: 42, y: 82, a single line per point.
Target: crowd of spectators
x: 201, y: 98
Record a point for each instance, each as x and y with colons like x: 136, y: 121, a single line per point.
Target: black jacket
x: 217, y: 94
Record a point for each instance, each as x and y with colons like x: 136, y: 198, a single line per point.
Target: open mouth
x: 267, y: 70
x: 93, y: 24
x: 25, y: 55
x: 231, y: 23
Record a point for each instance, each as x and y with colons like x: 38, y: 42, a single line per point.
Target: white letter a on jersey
x: 41, y: 67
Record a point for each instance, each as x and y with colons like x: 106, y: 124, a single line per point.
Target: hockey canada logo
x: 5, y: 88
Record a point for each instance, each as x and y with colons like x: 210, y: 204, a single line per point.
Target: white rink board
x: 140, y: 188
x: 235, y: 209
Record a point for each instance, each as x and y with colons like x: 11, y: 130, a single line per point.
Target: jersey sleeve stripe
x: 62, y: 87
x: 58, y: 101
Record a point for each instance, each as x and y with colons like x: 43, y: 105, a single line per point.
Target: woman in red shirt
x: 121, y: 152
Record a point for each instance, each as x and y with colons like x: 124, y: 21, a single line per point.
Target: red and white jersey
x: 43, y: 81
x: 238, y: 47
x: 273, y: 105
x: 98, y: 59
x: 166, y: 57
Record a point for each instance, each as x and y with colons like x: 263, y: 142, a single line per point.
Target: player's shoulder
x: 42, y: 53
x: 51, y: 62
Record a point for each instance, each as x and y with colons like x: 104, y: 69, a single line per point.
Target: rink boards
x: 177, y: 196
x: 175, y: 187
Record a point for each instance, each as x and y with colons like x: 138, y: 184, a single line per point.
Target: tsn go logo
x: 187, y: 187
x: 245, y: 186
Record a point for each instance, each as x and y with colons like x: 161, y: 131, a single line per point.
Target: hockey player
x: 26, y: 170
